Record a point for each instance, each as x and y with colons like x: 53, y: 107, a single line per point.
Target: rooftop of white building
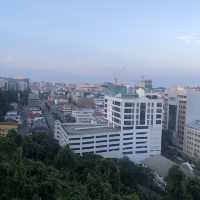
x: 77, y: 129
x: 151, y: 96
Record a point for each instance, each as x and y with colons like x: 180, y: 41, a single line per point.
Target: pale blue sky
x: 96, y: 40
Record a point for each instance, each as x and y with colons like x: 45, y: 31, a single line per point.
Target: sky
x: 97, y: 40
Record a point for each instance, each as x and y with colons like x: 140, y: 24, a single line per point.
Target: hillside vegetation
x: 37, y: 168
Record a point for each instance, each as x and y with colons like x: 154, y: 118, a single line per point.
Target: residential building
x: 180, y: 109
x: 192, y: 140
x: 6, y: 126
x: 22, y: 84
x: 99, y: 103
x: 12, y: 116
x: 18, y: 84
x: 3, y: 84
x: 67, y: 109
x: 34, y: 100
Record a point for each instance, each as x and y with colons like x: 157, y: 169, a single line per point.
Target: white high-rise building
x: 141, y: 116
x: 134, y: 129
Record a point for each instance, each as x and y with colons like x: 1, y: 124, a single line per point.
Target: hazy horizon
x: 95, y: 41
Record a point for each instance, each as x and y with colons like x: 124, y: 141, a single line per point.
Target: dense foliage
x: 37, y: 168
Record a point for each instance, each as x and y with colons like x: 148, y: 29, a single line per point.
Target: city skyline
x: 95, y: 41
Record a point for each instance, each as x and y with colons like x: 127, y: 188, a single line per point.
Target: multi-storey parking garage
x: 134, y: 129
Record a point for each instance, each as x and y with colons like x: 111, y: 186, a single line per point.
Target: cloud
x: 193, y: 38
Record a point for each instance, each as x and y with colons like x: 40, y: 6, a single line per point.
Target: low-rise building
x: 12, y: 116
x: 34, y: 100
x: 39, y: 125
x: 67, y: 109
x: 83, y: 115
x: 6, y: 126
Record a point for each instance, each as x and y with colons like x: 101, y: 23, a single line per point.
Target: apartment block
x: 181, y: 108
x: 192, y: 140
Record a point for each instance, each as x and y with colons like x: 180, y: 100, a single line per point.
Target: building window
x: 90, y: 142
x: 101, y: 151
x: 127, y: 128
x: 71, y: 139
x: 128, y: 104
x: 128, y: 138
x: 114, y: 135
x: 127, y: 123
x: 159, y: 116
x: 101, y: 136
x: 116, y: 109
x: 88, y: 147
x: 141, y: 151
x: 159, y: 110
x: 140, y: 147
x: 142, y: 113
x: 126, y: 148
x: 116, y: 120
x: 117, y: 149
x: 117, y: 115
x: 142, y: 142
x: 117, y: 103
x: 159, y: 104
x: 127, y: 116
x: 89, y: 137
x: 141, y: 127
x: 101, y: 146
x: 128, y: 134
x: 141, y: 137
x: 127, y: 110
x: 74, y: 143
x: 141, y: 133
x: 112, y: 140
x: 100, y: 141
x: 113, y: 145
x: 127, y: 143
x: 158, y: 121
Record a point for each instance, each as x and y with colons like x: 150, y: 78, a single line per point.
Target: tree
x: 133, y: 196
x: 193, y: 189
x: 175, y: 184
x: 40, y: 146
x: 37, y: 168
x: 65, y: 159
